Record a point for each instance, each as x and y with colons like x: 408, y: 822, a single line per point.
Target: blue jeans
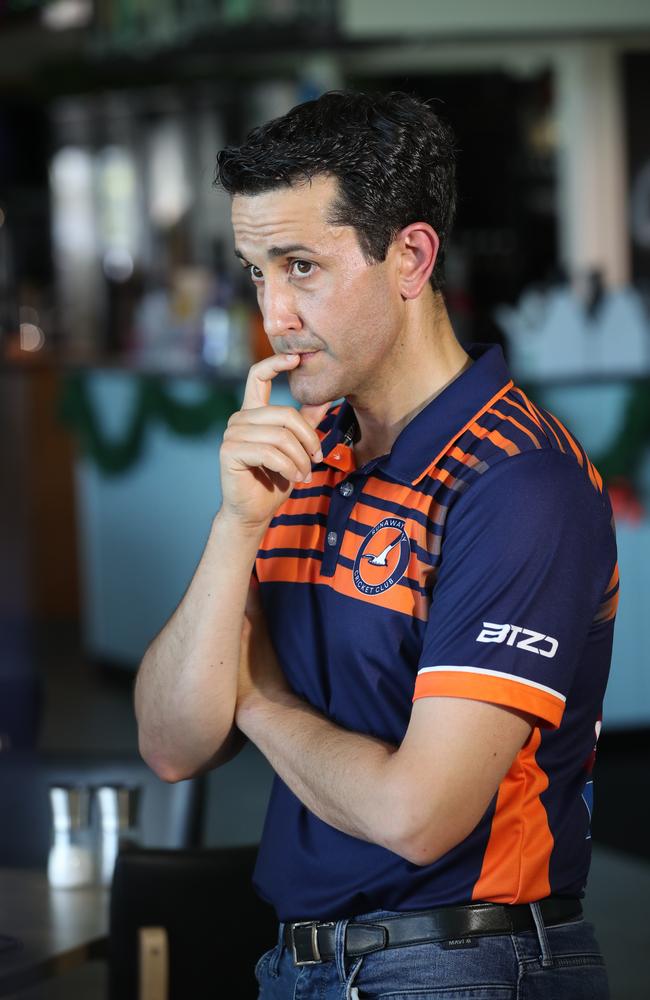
x: 562, y: 962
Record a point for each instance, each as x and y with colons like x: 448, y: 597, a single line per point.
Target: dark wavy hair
x: 393, y: 158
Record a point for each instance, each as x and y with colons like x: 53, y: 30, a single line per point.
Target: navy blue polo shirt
x: 476, y: 560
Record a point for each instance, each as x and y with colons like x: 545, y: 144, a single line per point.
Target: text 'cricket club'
x: 382, y: 558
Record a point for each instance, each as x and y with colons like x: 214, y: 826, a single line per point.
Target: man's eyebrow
x: 281, y: 251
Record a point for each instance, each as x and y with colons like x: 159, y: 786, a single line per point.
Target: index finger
x: 258, y: 383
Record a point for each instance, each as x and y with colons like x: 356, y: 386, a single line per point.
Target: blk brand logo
x: 522, y: 638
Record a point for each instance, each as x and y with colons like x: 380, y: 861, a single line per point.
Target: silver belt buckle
x: 314, y: 925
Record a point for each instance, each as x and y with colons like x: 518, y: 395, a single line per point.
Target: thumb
x: 313, y: 414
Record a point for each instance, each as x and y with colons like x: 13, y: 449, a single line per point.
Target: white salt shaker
x: 70, y: 862
x: 118, y: 809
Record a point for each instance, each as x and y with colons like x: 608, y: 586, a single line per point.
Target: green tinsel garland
x: 623, y: 457
x: 153, y: 402
x: 621, y: 460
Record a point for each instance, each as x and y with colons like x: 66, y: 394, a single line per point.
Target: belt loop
x: 546, y: 956
x: 339, y: 948
x: 277, y: 954
x: 351, y: 992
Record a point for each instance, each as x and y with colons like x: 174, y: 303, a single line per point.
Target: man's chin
x: 308, y: 392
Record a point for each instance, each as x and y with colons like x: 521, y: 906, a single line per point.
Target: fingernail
x: 308, y: 477
x: 318, y: 456
x: 290, y: 357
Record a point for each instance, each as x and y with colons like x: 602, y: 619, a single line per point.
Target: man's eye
x: 302, y: 268
x: 297, y: 269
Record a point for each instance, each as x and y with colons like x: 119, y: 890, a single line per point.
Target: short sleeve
x: 525, y: 561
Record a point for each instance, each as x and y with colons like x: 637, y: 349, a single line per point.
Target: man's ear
x: 417, y: 246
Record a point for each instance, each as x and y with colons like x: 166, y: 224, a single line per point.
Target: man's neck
x: 431, y: 360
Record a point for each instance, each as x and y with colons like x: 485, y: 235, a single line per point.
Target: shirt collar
x: 427, y: 437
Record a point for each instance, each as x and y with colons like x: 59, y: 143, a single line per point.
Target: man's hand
x: 267, y: 449
x: 260, y: 674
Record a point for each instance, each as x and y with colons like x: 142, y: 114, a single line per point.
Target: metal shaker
x: 70, y: 861
x: 118, y: 812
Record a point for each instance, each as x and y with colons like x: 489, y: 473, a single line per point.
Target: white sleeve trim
x: 496, y: 673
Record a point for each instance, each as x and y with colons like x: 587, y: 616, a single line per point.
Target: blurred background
x: 126, y: 328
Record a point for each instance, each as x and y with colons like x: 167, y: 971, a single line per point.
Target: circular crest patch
x: 382, y: 557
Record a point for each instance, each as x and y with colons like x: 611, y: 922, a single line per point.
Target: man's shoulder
x: 522, y: 442
x: 541, y: 494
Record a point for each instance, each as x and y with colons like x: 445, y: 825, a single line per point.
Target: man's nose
x: 279, y: 310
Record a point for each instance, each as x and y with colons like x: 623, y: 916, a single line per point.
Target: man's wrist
x: 253, y: 712
x: 246, y: 532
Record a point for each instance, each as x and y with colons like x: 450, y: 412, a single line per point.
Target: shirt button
x: 347, y: 489
x: 332, y: 538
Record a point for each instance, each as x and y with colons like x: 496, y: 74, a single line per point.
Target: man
x: 423, y: 650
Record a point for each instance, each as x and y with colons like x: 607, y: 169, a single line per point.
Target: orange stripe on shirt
x: 369, y: 516
x: 294, y: 536
x: 516, y: 861
x: 504, y: 416
x: 467, y: 459
x: 592, y: 474
x: 396, y: 598
x: 334, y: 412
x: 429, y: 471
x: 571, y: 440
x: 595, y: 477
x: 288, y: 569
x: 495, y: 437
x: 499, y: 690
x: 450, y: 481
x: 613, y: 580
x: 550, y: 427
x: 599, y: 478
x: 527, y: 412
x: 298, y: 504
x: 607, y: 609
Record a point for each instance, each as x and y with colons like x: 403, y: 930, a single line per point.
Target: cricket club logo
x: 382, y: 557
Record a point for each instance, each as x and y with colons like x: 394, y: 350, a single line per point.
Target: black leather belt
x: 312, y: 941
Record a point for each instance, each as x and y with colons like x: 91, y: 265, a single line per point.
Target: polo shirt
x: 476, y: 560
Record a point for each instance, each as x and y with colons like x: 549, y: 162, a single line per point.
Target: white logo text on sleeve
x: 522, y: 638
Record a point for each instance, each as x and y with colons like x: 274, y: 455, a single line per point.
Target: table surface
x: 58, y: 928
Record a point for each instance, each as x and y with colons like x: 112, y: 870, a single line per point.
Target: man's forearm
x: 344, y: 778
x: 186, y: 686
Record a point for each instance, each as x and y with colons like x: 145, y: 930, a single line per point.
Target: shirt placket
x: 345, y: 496
x: 341, y: 505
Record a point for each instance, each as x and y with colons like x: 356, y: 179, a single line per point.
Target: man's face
x: 318, y: 296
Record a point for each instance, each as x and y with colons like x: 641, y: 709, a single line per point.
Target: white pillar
x: 592, y: 187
